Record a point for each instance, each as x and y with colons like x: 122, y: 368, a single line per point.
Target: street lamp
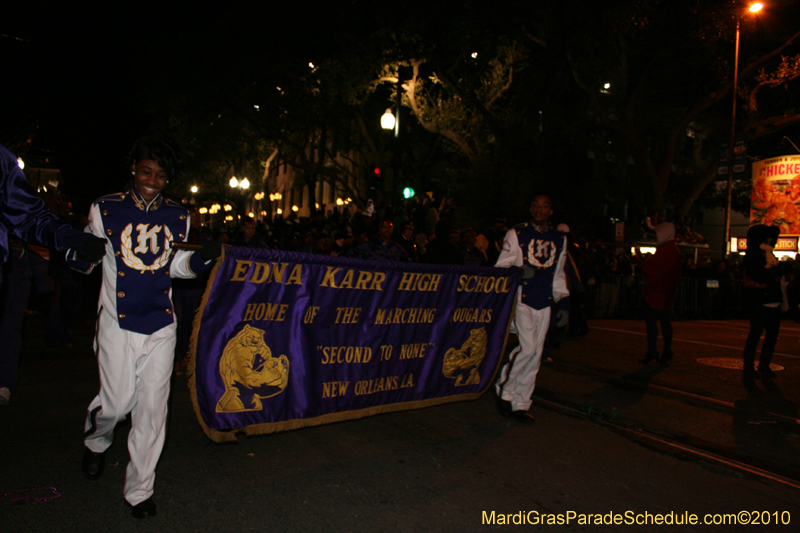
x: 236, y: 184
x: 391, y: 121
x: 754, y: 8
x: 275, y: 197
x: 387, y: 120
x: 242, y: 185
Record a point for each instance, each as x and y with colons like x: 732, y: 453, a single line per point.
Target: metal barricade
x: 697, y: 298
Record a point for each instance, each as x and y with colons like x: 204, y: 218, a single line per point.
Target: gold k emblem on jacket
x: 541, y: 253
x: 147, y: 240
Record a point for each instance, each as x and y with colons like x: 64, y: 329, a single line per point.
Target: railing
x: 697, y: 298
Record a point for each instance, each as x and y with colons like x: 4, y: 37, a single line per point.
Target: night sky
x: 81, y: 79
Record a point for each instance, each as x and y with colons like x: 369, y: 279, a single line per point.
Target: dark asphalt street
x: 444, y: 468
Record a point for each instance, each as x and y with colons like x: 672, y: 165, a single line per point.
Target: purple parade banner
x: 285, y: 340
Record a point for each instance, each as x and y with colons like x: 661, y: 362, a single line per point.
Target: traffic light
x: 374, y: 178
x: 408, y: 192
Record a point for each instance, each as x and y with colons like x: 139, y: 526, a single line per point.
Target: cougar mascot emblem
x: 467, y: 359
x: 250, y: 373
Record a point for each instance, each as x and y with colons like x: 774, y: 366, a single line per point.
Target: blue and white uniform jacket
x: 23, y: 213
x: 139, y: 264
x: 541, y: 248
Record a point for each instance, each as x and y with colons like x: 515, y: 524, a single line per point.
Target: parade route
x: 455, y: 467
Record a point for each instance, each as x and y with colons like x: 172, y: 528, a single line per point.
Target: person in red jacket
x: 663, y: 270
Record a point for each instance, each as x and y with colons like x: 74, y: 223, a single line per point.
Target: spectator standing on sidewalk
x: 382, y: 247
x: 406, y: 241
x: 663, y: 271
x: 763, y: 298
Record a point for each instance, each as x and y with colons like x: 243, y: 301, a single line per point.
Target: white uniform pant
x: 518, y: 376
x: 135, y: 371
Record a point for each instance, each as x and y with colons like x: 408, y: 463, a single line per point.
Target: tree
x: 668, y: 90
x: 471, y: 82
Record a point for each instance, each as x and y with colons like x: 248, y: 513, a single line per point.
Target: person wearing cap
x: 441, y: 251
x: 406, y: 241
x: 578, y: 277
x: 763, y: 298
x: 539, y: 249
x: 473, y: 256
x: 248, y: 238
x: 663, y: 271
x: 562, y: 309
x: 342, y: 243
x: 381, y: 247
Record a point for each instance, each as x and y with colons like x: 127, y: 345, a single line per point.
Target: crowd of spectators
x: 710, y: 286
x: 433, y: 233
x: 425, y: 232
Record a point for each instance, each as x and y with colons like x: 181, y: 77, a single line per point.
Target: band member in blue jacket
x: 24, y: 215
x: 539, y: 249
x: 136, y: 330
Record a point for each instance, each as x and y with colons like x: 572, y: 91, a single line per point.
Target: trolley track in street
x: 673, y: 446
x: 676, y: 441
x: 609, y: 378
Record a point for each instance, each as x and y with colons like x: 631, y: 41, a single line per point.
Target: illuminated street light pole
x: 727, y: 245
x: 242, y: 185
x: 273, y: 203
x: 388, y: 122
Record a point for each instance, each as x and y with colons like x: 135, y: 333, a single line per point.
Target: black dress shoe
x: 523, y: 416
x: 766, y: 372
x: 145, y: 509
x: 651, y: 356
x: 93, y: 464
x: 503, y: 407
x: 665, y: 358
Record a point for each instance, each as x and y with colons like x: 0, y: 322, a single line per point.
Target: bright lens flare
x: 756, y: 7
